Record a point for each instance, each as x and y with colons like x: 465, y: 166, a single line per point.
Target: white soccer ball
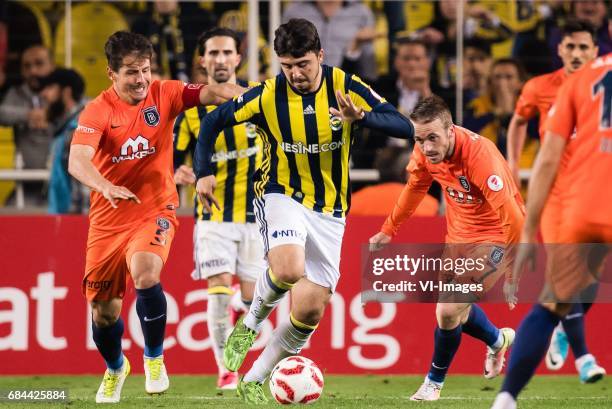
x: 296, y: 380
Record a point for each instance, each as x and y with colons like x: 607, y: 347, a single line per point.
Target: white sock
x: 499, y: 342
x: 287, y: 340
x: 504, y: 401
x: 266, y: 297
x: 219, y: 325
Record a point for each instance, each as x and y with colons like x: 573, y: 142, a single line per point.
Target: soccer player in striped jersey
x: 307, y: 112
x: 577, y: 47
x: 226, y: 240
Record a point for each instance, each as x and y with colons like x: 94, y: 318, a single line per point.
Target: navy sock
x: 446, y: 344
x: 530, y: 345
x: 479, y: 326
x: 586, y: 306
x: 108, y: 341
x: 151, y: 309
x: 573, y: 324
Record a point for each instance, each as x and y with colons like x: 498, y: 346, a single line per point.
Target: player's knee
x: 447, y: 315
x: 104, y: 318
x: 287, y: 263
x: 309, y: 315
x: 220, y: 280
x: 145, y: 268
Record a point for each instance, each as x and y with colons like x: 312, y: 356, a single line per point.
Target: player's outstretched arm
x: 216, y: 94
x: 517, y: 133
x: 82, y: 169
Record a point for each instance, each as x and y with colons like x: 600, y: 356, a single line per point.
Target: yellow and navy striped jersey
x: 306, y: 149
x: 237, y: 155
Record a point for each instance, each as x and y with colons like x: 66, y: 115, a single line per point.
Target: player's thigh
x: 105, y: 268
x: 323, y: 248
x: 216, y: 248
x: 449, y: 315
x: 308, y: 301
x: 283, y: 231
x: 149, y: 246
x: 251, y: 262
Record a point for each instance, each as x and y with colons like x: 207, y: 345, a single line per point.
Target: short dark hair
x: 123, y: 43
x: 407, y: 40
x: 217, y: 32
x: 66, y: 78
x: 522, y: 73
x: 296, y: 38
x: 431, y: 108
x: 578, y: 26
x: 479, y: 44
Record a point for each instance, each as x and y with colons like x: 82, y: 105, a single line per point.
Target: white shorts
x: 225, y: 247
x: 282, y: 220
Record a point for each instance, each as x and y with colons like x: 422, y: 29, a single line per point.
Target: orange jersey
x: 584, y: 103
x: 477, y: 182
x: 134, y: 149
x: 538, y: 96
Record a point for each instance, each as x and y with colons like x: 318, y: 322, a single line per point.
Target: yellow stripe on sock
x: 301, y: 325
x: 280, y: 284
x: 220, y: 289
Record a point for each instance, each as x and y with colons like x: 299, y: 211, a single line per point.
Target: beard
x: 56, y: 110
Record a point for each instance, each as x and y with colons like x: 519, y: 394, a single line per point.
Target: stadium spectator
x: 441, y: 34
x: 173, y: 30
x: 477, y: 61
x: 23, y: 109
x: 379, y: 200
x: 489, y: 114
x: 596, y: 13
x: 62, y: 92
x: 347, y: 31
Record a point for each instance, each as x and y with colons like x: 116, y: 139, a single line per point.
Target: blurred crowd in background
x: 405, y: 50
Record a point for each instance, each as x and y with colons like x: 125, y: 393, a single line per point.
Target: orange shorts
x: 577, y: 262
x: 109, y: 252
x: 492, y: 262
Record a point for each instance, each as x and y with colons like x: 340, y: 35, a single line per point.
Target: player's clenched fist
x: 205, y: 189
x: 379, y: 241
x: 184, y: 175
x: 113, y: 193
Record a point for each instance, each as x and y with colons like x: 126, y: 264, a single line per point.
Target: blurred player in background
x: 484, y: 207
x: 581, y: 122
x: 577, y: 48
x: 226, y: 241
x: 122, y: 150
x: 303, y: 189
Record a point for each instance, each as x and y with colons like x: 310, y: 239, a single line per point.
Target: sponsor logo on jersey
x: 151, y: 116
x: 222, y: 156
x: 335, y: 122
x: 136, y: 148
x: 463, y: 198
x: 300, y: 147
x: 85, y: 129
x: 216, y: 262
x: 495, y: 183
x: 309, y: 110
x: 464, y: 183
x: 99, y: 285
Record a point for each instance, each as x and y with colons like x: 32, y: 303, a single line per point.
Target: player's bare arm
x: 184, y: 175
x: 216, y: 94
x: 81, y: 167
x: 542, y: 179
x: 517, y: 134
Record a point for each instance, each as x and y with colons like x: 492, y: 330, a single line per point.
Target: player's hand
x: 525, y: 257
x: 114, y: 193
x: 205, y: 189
x: 379, y: 241
x: 184, y: 175
x: 510, y: 290
x: 349, y: 112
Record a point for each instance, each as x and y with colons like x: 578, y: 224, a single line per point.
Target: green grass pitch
x: 354, y: 392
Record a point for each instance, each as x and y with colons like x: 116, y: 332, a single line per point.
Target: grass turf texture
x: 355, y: 392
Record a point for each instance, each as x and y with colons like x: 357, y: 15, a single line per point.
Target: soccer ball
x: 296, y: 380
